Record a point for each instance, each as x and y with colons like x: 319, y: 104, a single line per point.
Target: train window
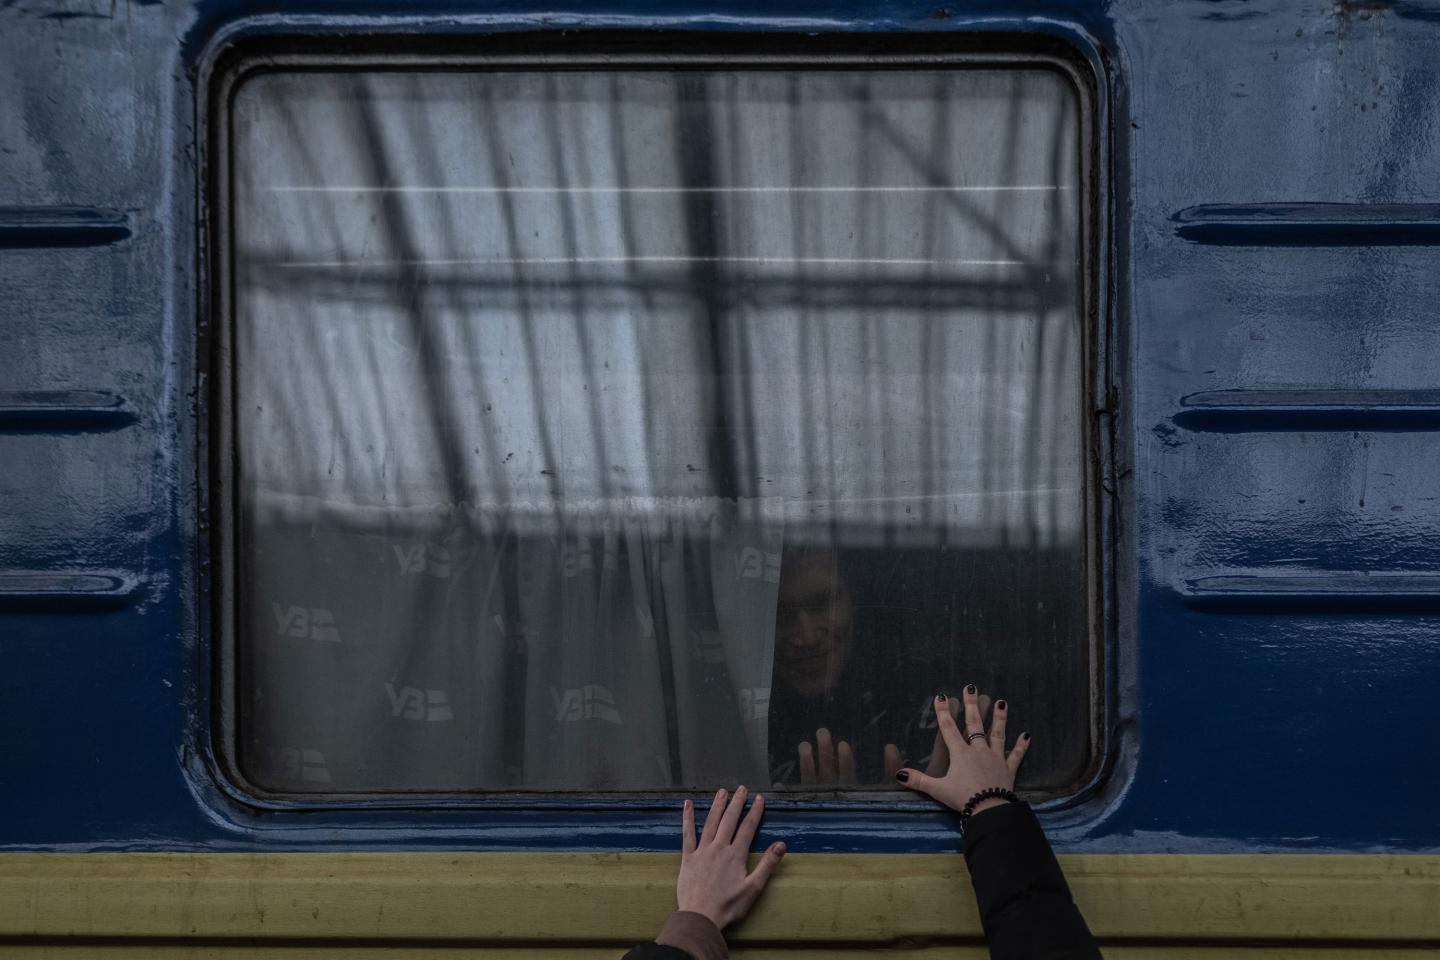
x: 620, y: 429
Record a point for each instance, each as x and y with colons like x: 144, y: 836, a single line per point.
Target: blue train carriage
x: 435, y: 439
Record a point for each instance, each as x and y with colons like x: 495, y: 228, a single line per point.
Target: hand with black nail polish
x: 977, y: 760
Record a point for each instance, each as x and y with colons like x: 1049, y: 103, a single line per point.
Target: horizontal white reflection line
x: 877, y: 189
x: 566, y: 261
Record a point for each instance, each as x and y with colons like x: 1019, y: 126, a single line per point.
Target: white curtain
x: 537, y: 373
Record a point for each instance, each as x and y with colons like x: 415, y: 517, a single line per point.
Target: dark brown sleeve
x: 655, y: 951
x: 685, y: 935
x: 1024, y: 901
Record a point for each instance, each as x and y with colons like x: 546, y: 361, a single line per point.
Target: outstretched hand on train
x: 714, y: 880
x: 977, y: 758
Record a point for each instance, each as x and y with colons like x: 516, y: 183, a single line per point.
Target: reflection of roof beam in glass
x: 608, y: 261
x: 994, y: 188
x: 557, y: 290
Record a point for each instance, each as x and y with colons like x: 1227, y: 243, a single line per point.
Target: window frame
x: 216, y: 681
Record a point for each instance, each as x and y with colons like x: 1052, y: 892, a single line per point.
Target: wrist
x: 984, y: 799
x: 709, y: 913
x: 988, y: 804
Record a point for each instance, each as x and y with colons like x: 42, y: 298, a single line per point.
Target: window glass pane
x: 617, y: 430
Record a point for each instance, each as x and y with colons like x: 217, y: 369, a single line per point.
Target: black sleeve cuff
x: 1009, y: 857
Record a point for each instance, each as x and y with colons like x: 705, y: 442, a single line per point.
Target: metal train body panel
x: 1264, y: 233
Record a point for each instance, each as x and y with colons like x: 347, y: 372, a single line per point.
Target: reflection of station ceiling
x: 828, y: 296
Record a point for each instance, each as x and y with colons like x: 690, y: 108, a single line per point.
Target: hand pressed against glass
x: 977, y: 760
x: 713, y: 880
x: 828, y: 761
x: 940, y: 753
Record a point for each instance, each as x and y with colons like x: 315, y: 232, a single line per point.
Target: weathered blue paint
x: 1269, y: 377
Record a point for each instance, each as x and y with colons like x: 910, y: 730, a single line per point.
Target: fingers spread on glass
x: 968, y: 768
x: 939, y: 752
x: 997, y: 727
x: 806, y: 755
x: 893, y: 761
x: 974, y: 722
x: 1017, y: 756
x: 827, y: 762
x: 954, y: 742
x: 825, y: 749
x: 845, y: 763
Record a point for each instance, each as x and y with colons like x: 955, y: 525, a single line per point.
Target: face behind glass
x: 814, y: 623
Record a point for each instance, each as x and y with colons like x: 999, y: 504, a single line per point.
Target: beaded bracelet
x: 998, y: 793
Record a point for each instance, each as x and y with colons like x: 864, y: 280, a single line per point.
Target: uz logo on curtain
x: 590, y: 702
x: 754, y: 564
x: 305, y: 622
x: 428, y: 558
x: 415, y: 704
x: 754, y: 702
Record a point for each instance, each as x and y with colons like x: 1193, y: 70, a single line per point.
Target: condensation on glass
x: 623, y: 430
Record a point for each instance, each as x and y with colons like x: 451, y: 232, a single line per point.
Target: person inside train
x: 1025, y: 904
x: 842, y: 707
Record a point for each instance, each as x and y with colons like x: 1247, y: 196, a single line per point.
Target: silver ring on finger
x: 972, y: 737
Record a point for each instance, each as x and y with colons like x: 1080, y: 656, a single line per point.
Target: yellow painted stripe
x: 817, y: 901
